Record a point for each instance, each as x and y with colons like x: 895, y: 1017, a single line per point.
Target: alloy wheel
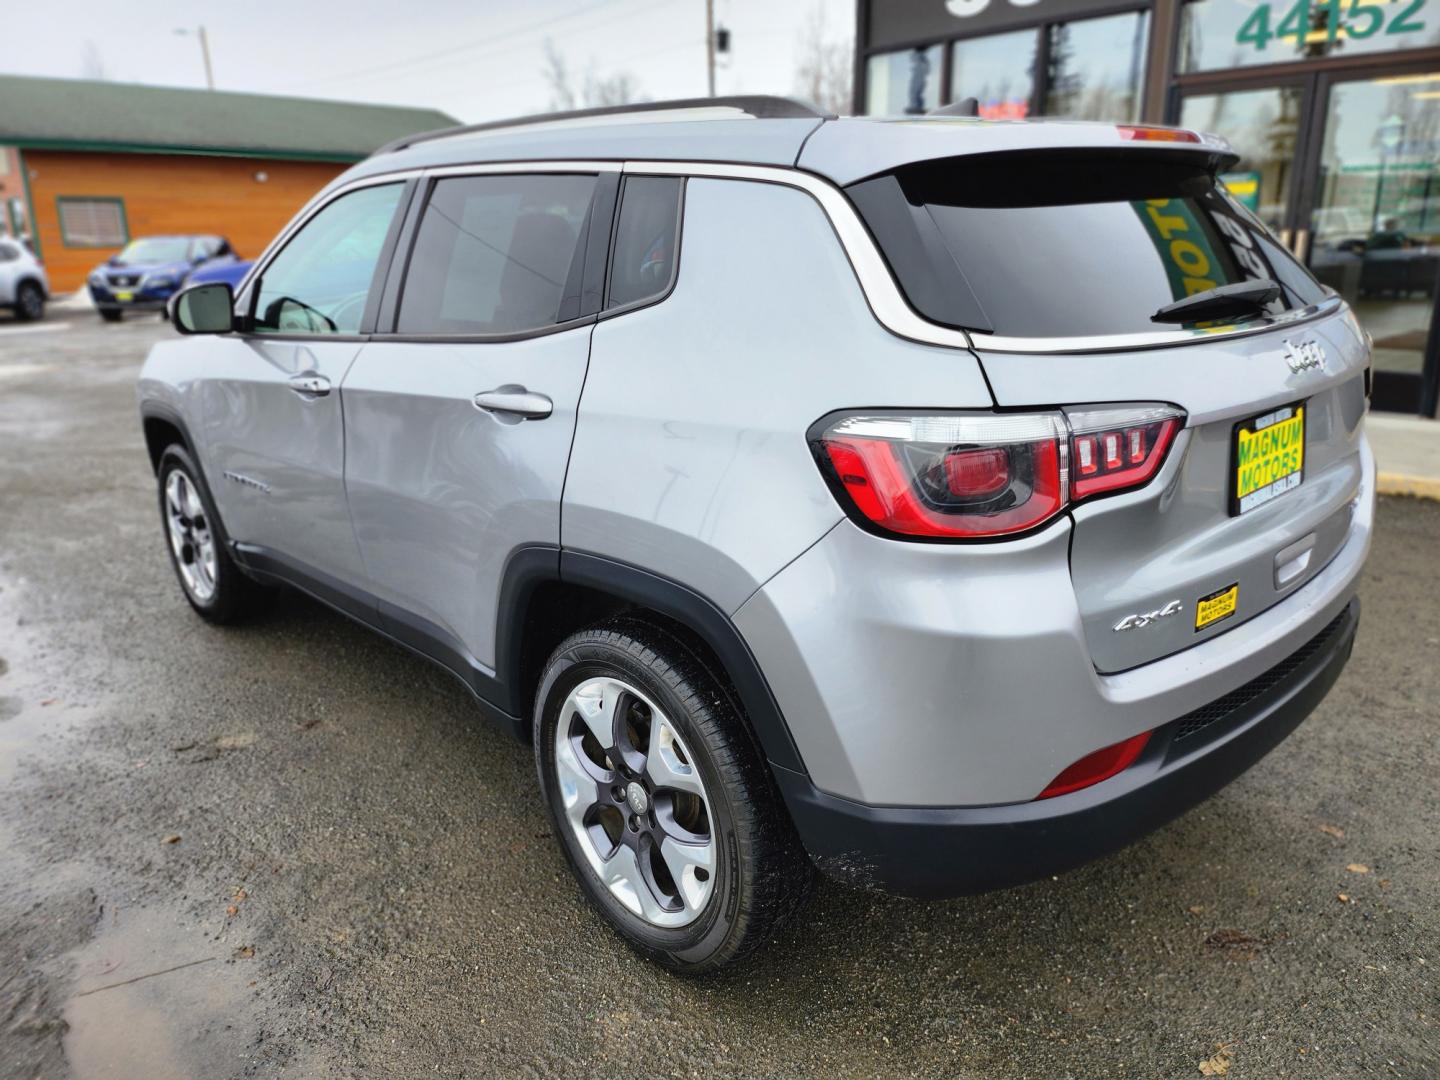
x: 635, y: 802
x: 191, y: 539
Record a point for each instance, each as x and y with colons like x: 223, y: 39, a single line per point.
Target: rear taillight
x: 1114, y: 449
x: 949, y: 475
x: 964, y: 476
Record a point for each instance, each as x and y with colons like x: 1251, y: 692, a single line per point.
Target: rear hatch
x: 1057, y: 263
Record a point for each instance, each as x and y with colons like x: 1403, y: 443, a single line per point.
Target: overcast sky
x: 475, y: 59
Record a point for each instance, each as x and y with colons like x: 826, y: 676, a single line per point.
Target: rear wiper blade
x: 1237, y: 299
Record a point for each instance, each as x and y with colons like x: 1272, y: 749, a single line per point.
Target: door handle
x: 514, y: 400
x: 310, y: 385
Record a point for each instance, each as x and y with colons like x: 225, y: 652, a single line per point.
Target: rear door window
x: 497, y: 255
x: 1064, y: 244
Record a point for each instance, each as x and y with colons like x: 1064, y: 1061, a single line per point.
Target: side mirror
x: 204, y: 309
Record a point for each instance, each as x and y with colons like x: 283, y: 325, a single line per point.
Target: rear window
x: 1069, y: 243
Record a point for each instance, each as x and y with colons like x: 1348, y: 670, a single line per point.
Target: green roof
x: 82, y: 114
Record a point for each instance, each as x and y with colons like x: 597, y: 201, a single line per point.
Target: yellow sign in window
x: 1218, y: 605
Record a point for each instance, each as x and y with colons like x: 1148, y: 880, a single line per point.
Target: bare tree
x: 823, y: 73
x: 595, y: 90
x: 557, y: 74
x: 92, y: 65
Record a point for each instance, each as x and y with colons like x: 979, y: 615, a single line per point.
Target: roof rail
x: 759, y: 106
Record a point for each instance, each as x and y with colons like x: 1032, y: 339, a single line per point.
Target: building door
x: 1344, y: 165
x: 1373, y: 209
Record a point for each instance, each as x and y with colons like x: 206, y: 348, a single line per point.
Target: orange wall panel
x: 168, y: 193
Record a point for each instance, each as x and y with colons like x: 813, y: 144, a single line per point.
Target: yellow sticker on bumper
x: 1218, y: 605
x: 1269, y: 457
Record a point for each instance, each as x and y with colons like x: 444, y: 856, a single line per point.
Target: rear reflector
x: 1101, y: 765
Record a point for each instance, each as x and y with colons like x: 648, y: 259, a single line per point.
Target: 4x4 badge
x: 1135, y: 622
x: 1305, y: 356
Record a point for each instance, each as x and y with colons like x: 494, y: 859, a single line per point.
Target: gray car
x: 937, y: 502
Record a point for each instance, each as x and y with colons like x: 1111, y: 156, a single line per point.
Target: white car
x: 24, y: 288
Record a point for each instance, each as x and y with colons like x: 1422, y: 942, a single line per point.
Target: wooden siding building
x: 97, y: 164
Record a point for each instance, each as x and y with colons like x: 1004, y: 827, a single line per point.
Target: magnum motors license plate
x: 1268, y: 457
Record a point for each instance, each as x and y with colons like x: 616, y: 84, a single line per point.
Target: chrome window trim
x: 1001, y: 343
x: 881, y: 291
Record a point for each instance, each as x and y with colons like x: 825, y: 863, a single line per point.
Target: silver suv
x: 939, y: 503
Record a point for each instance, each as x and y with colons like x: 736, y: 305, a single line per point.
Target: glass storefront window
x: 998, y: 71
x: 903, y: 83
x: 1376, y: 218
x: 1097, y: 67
x: 1262, y: 126
x: 1217, y: 34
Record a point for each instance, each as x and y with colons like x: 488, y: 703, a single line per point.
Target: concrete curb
x: 1417, y: 487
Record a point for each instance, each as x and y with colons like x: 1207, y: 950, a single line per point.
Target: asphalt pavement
x: 292, y: 849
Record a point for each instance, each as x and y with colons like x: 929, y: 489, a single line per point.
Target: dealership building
x: 1332, y: 105
x: 87, y: 166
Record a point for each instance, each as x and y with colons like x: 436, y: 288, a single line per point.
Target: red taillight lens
x: 950, y: 475
x: 1114, y: 449
x: 978, y: 475
x: 1101, y: 765
x: 1143, y: 133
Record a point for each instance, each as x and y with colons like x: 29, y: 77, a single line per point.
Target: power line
x: 454, y: 52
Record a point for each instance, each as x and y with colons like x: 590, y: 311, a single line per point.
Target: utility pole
x: 710, y: 44
x: 204, y: 52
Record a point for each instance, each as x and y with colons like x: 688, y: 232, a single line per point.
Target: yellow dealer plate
x: 124, y: 296
x: 1269, y: 457
x: 1218, y: 605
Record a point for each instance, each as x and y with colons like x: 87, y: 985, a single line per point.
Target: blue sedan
x: 144, y: 275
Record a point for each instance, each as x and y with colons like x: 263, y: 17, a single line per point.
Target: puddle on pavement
x: 158, y: 999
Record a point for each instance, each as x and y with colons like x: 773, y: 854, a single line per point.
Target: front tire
x: 661, y: 801
x: 29, y: 303
x: 216, y: 588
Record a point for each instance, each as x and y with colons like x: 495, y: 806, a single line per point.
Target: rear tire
x: 673, y: 827
x: 110, y: 314
x: 29, y: 302
x: 214, y: 585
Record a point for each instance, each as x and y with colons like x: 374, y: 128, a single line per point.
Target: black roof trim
x: 760, y: 106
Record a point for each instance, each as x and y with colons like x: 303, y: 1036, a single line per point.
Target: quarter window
x: 646, y: 239
x: 497, y: 254
x: 319, y: 282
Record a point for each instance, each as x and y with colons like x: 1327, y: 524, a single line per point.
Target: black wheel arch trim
x: 699, y: 614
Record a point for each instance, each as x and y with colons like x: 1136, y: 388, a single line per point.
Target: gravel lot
x: 293, y: 849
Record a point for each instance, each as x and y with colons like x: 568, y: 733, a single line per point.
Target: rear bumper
x: 939, y: 852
